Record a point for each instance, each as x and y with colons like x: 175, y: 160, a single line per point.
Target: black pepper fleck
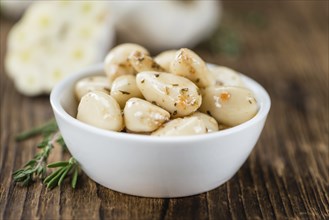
x: 124, y: 92
x: 107, y: 89
x: 167, y: 90
x: 140, y: 59
x: 183, y: 90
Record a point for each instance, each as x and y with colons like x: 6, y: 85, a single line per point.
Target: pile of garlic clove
x: 173, y: 94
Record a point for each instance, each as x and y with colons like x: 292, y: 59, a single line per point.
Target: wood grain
x: 285, y: 177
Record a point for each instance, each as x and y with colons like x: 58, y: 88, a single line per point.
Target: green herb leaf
x: 51, y: 176
x: 65, y: 169
x: 75, y: 178
x: 48, y: 127
x: 58, y: 164
x: 36, y: 168
x: 54, y: 181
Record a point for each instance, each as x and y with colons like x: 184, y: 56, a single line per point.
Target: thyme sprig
x: 64, y: 169
x: 45, y: 129
x: 36, y: 168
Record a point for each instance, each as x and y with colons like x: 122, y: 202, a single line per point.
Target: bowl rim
x: 56, y: 95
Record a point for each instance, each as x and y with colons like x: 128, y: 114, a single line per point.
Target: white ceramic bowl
x: 156, y: 166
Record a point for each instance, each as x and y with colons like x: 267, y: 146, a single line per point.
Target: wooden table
x: 284, y: 46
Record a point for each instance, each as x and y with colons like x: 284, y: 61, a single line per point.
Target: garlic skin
x: 100, y: 110
x: 123, y: 88
x: 176, y: 94
x: 182, y: 127
x: 43, y: 47
x: 117, y: 63
x: 230, y: 106
x: 92, y: 83
x: 163, y: 25
x: 142, y: 116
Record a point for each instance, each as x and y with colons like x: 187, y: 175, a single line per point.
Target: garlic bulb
x: 160, y: 25
x: 54, y: 39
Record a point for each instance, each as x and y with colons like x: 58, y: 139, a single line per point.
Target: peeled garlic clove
x: 92, y: 83
x: 188, y: 64
x: 117, y: 63
x: 229, y: 105
x: 225, y: 76
x: 100, y: 110
x: 142, y: 116
x: 182, y: 127
x: 142, y: 62
x: 123, y: 88
x: 210, y: 123
x: 175, y: 94
x: 165, y: 58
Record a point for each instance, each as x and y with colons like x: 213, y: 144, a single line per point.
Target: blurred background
x: 44, y: 41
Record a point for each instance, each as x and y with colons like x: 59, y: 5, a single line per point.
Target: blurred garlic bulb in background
x: 54, y: 39
x: 161, y: 25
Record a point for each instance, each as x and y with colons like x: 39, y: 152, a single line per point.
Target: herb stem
x: 36, y: 168
x: 38, y: 165
x: 43, y: 159
x: 49, y: 126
